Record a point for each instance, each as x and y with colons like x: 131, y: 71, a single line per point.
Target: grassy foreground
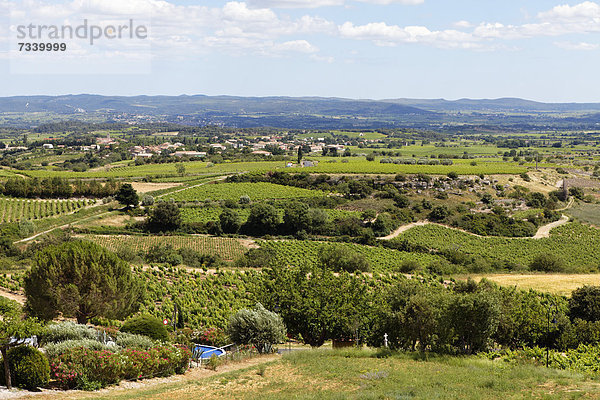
x: 354, y: 374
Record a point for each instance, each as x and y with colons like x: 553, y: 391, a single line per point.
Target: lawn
x: 353, y: 374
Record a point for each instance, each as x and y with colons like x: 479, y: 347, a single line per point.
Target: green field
x: 228, y: 249
x: 578, y: 245
x: 15, y: 210
x: 233, y: 191
x: 306, y: 253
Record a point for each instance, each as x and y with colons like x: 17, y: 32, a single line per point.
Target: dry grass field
x: 562, y: 284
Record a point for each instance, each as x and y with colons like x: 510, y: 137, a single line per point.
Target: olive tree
x: 258, y: 327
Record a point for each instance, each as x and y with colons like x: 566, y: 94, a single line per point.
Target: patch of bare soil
x: 145, y: 187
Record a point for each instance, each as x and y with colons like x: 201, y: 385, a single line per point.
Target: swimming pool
x: 202, y: 351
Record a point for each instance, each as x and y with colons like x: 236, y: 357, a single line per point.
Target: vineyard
x: 577, y: 244
x: 233, y: 191
x: 348, y: 165
x: 206, y: 214
x: 15, y: 210
x: 461, y: 167
x: 306, y: 253
x: 228, y: 249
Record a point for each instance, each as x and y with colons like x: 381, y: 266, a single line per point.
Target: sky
x: 539, y: 50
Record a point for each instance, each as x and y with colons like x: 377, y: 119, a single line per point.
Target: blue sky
x: 540, y: 50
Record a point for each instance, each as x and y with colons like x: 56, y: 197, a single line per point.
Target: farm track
x: 542, y: 232
x: 65, y: 225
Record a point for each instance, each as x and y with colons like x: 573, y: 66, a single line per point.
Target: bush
x: 132, y: 341
x: 212, y: 337
x: 147, y: 200
x: 29, y: 368
x: 146, y: 325
x: 338, y: 258
x: 547, y: 263
x: 84, y: 369
x: 63, y: 331
x: 56, y: 349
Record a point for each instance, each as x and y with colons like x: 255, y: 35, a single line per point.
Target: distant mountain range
x: 291, y: 112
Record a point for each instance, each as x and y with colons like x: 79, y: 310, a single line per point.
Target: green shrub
x: 29, y: 368
x: 146, y: 325
x: 55, y: 349
x: 89, y: 370
x: 67, y: 331
x: 547, y: 263
x: 132, y: 341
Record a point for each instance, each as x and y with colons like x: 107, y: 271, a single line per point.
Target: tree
x: 439, y: 213
x: 180, y: 169
x: 547, y: 262
x: 147, y: 200
x: 82, y: 280
x: 296, y: 217
x: 230, y: 221
x: 316, y: 303
x: 340, y: 258
x: 258, y: 327
x: 13, y: 330
x: 472, y: 319
x: 263, y: 219
x: 165, y: 216
x: 585, y: 303
x: 127, y: 196
x: 299, y: 154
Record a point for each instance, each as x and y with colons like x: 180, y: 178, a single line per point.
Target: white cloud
x: 389, y: 35
x: 300, y: 46
x: 462, y: 24
x: 581, y: 11
x: 576, y: 46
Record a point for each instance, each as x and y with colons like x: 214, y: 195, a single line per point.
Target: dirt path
x: 19, y: 298
x: 403, y: 229
x: 542, y: 232
x: 192, y: 376
x: 65, y: 226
